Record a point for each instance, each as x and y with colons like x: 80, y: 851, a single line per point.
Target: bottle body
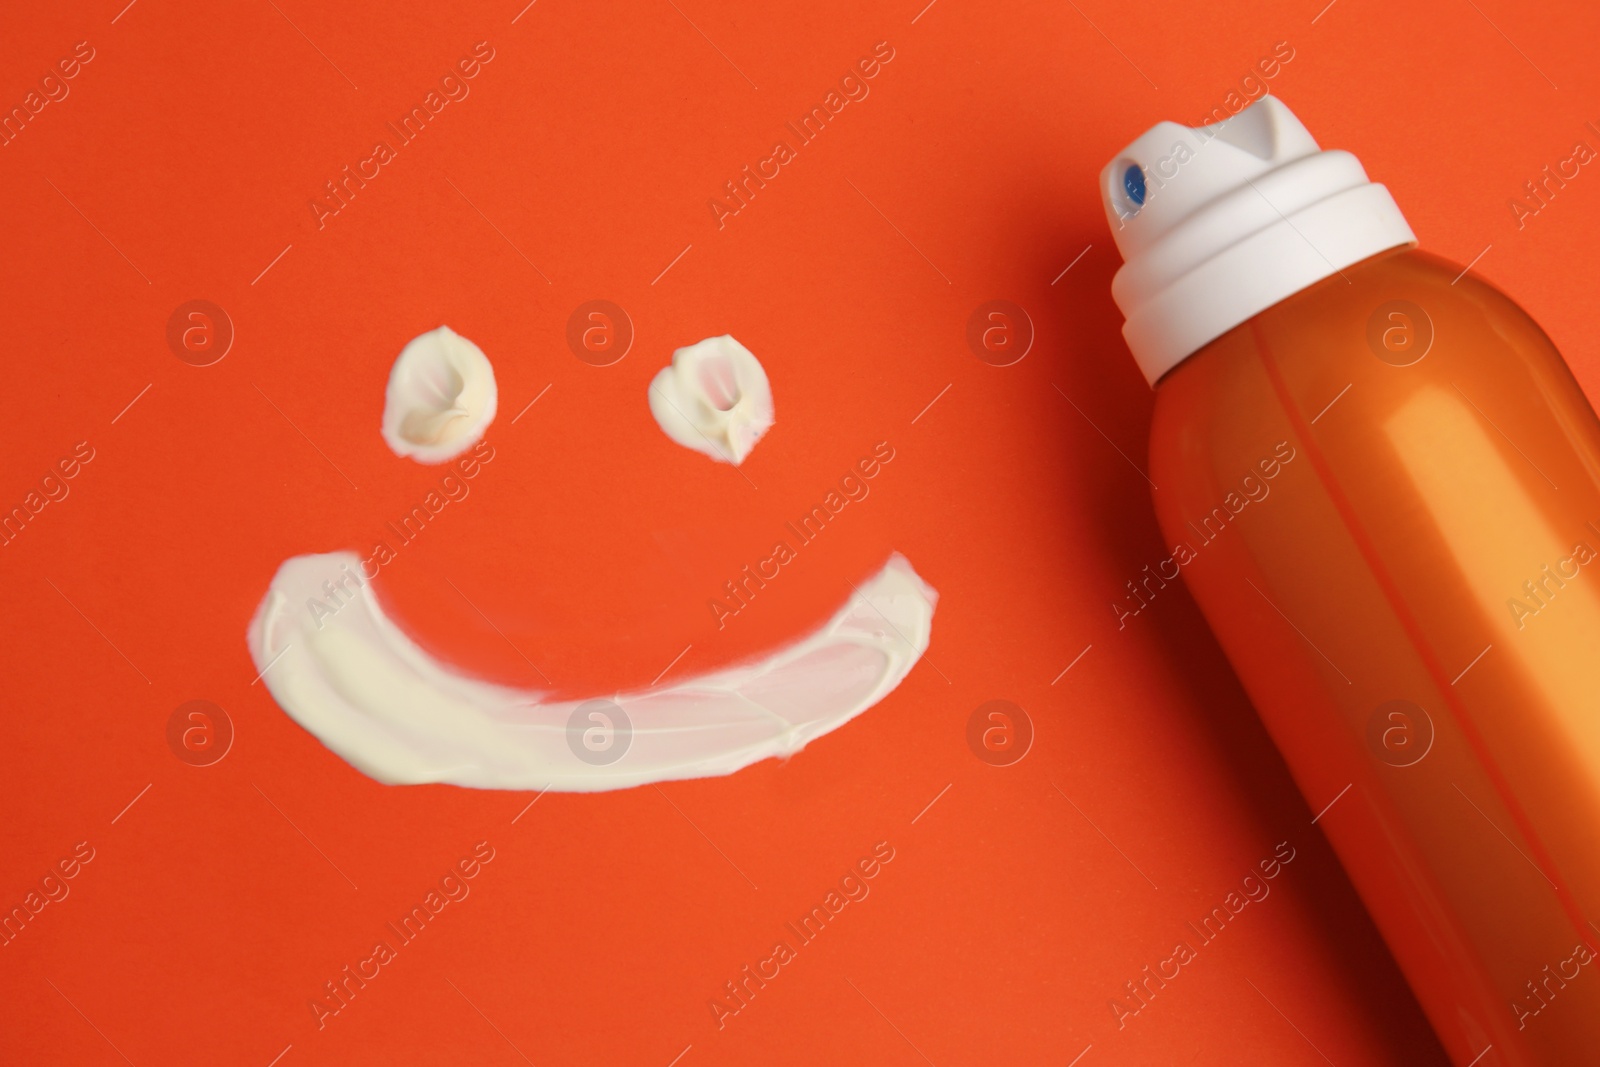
x: 1384, y: 494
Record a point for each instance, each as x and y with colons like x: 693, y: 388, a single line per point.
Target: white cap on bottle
x: 1217, y: 224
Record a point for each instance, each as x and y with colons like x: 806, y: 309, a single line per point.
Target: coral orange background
x: 182, y: 163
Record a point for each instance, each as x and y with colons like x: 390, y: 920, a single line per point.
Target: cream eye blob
x: 714, y: 398
x: 440, y: 399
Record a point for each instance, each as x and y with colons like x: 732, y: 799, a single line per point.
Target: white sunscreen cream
x: 713, y: 398
x: 441, y: 397
x: 368, y: 692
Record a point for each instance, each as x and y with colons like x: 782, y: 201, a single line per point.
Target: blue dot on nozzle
x: 1133, y: 182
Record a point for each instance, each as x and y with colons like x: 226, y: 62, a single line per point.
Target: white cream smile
x: 369, y: 693
x: 714, y: 398
x: 440, y: 399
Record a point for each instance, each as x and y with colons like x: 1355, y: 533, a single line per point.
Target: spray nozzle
x: 1217, y: 223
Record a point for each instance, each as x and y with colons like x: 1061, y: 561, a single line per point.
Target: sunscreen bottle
x: 1381, y: 484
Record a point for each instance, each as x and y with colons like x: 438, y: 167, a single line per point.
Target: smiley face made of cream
x: 347, y: 672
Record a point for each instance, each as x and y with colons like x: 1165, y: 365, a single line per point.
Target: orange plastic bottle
x: 1381, y: 484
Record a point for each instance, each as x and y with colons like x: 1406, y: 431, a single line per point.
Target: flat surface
x: 580, y: 166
